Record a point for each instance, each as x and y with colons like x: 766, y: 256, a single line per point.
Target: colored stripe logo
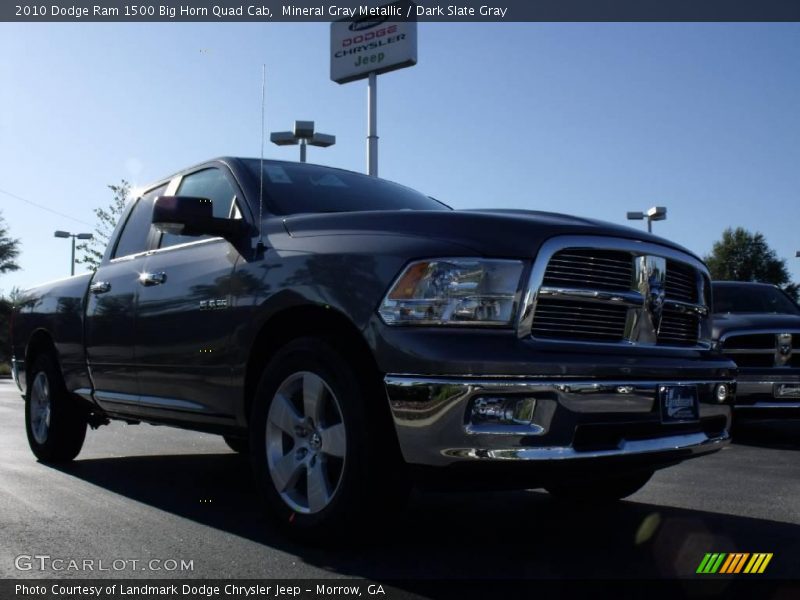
x: 734, y: 562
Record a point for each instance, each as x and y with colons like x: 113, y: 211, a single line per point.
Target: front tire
x: 315, y: 459
x: 54, y: 422
x: 604, y: 490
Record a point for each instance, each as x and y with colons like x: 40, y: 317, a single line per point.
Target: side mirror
x: 187, y: 215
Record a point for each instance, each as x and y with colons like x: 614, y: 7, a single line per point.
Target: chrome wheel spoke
x: 334, y: 442
x: 313, y: 396
x: 39, y: 408
x: 40, y: 390
x: 317, y: 484
x: 286, y: 472
x: 283, y: 415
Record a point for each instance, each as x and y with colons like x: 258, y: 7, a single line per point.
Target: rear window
x: 752, y: 299
x: 291, y: 188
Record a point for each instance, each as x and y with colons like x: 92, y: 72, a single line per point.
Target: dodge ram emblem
x: 783, y: 349
x: 655, y: 305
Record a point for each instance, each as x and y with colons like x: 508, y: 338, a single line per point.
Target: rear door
x: 110, y: 326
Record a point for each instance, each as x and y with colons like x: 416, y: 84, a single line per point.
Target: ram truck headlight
x: 454, y: 291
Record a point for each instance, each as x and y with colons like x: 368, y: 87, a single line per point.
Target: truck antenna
x: 261, y: 164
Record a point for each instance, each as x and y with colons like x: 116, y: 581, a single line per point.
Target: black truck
x: 757, y: 325
x: 355, y: 336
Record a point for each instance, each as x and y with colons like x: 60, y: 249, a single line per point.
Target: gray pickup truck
x: 354, y: 336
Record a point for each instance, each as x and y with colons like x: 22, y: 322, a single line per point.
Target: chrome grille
x: 583, y: 320
x: 678, y: 329
x: 681, y: 283
x: 751, y: 341
x: 620, y: 291
x: 598, y: 269
x: 760, y: 350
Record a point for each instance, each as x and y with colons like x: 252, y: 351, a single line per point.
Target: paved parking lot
x: 143, y: 492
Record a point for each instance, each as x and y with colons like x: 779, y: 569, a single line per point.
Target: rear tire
x: 601, y: 490
x: 318, y: 459
x: 54, y: 421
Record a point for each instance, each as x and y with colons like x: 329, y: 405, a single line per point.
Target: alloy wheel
x: 306, y: 442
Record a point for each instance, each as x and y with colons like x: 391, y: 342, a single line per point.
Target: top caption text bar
x: 423, y: 10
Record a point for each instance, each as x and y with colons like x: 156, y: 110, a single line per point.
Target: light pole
x: 654, y: 213
x: 304, y: 135
x: 80, y: 236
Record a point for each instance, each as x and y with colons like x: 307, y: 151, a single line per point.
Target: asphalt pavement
x: 139, y: 493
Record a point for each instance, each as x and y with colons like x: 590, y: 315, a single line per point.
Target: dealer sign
x: 374, y: 40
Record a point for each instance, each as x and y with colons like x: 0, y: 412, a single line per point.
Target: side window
x: 134, y: 235
x: 208, y: 183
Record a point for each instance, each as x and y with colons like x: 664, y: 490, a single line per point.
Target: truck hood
x: 488, y: 232
x: 742, y: 322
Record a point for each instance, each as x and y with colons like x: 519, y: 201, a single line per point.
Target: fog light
x: 507, y: 411
x: 722, y: 393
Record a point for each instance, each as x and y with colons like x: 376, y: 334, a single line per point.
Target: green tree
x: 5, y: 340
x: 9, y: 249
x: 107, y: 218
x: 15, y: 298
x: 744, y: 256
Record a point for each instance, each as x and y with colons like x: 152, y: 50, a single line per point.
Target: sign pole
x: 371, y: 45
x: 372, y: 124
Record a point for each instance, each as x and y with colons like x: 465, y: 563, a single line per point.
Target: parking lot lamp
x: 80, y: 236
x: 654, y: 213
x: 303, y: 135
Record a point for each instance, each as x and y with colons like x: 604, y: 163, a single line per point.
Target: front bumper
x: 572, y: 421
x: 768, y: 393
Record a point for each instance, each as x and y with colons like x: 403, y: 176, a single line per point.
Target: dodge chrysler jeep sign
x: 376, y: 40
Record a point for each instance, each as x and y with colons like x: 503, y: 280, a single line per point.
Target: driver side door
x: 184, y: 321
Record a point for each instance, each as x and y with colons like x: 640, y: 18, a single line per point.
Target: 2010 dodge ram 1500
x: 354, y: 335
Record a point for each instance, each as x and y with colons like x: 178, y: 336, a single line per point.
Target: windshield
x: 752, y: 299
x: 291, y: 188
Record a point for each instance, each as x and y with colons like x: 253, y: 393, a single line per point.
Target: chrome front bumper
x: 432, y: 419
x: 763, y: 393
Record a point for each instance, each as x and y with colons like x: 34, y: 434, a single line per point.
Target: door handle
x: 148, y: 279
x: 100, y: 287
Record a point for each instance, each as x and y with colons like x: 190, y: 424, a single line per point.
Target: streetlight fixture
x: 654, y: 213
x: 304, y: 135
x: 80, y: 236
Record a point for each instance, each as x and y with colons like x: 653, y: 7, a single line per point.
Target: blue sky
x: 589, y: 119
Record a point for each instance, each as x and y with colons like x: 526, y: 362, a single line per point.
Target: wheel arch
x: 40, y: 342
x: 311, y: 320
